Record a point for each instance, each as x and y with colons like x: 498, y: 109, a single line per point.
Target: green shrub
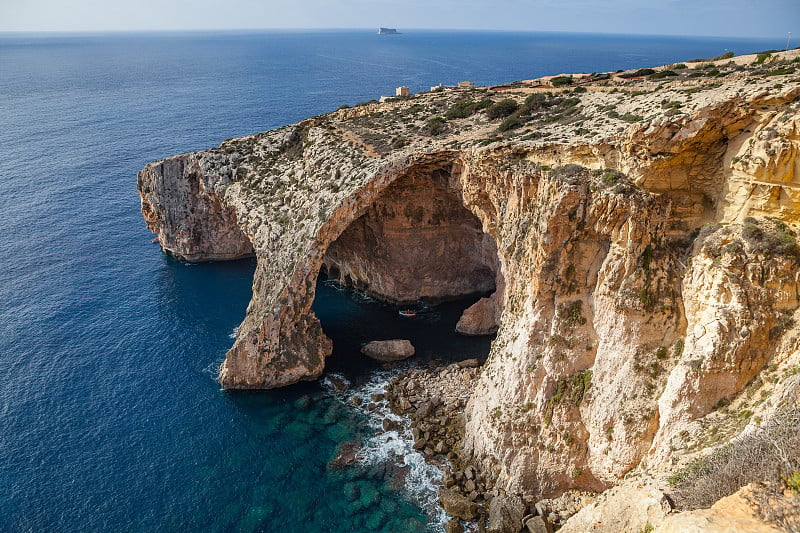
x: 572, y: 314
x: 399, y: 142
x: 780, y: 71
x: 490, y: 140
x: 662, y: 74
x: 571, y: 174
x: 793, y: 481
x: 537, y: 101
x: 502, y: 109
x: 435, y: 125
x: 578, y: 90
x: 644, y: 72
x: 612, y: 177
x: 572, y: 388
x: 679, y: 66
x: 631, y: 117
x: 511, y: 122
x: 461, y: 109
x: 769, y: 237
x: 561, y: 81
x: 762, y: 57
x: 726, y: 55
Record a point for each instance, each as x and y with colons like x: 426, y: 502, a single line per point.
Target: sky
x: 738, y: 18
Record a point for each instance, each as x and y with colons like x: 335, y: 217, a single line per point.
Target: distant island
x: 388, y: 31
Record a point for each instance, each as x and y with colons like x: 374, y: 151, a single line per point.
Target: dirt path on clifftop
x: 368, y: 149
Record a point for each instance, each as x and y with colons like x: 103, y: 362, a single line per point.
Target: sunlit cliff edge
x: 637, y: 231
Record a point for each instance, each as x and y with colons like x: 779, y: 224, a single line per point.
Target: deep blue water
x: 110, y: 415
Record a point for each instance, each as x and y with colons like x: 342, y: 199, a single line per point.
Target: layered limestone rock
x: 638, y: 238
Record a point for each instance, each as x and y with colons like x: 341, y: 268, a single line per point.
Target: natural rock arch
x: 407, y: 235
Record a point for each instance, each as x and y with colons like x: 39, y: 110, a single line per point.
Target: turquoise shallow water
x: 110, y: 414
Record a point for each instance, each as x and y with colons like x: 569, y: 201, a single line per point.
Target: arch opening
x: 417, y: 246
x: 416, y: 242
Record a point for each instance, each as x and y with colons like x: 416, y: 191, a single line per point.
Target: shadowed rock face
x: 416, y: 241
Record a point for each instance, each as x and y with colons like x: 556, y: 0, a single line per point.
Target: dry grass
x: 770, y: 455
x: 778, y: 506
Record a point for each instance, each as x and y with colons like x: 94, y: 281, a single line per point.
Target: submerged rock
x: 338, y: 383
x: 346, y: 454
x: 387, y: 351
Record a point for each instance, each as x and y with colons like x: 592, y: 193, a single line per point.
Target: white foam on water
x: 234, y: 332
x: 332, y: 283
x: 362, y: 297
x: 212, y: 369
x: 423, y: 480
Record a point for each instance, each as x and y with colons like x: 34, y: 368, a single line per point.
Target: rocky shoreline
x: 434, y: 400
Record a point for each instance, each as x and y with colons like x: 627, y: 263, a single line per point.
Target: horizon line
x: 367, y: 28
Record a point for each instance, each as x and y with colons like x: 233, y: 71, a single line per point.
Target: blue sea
x: 111, y: 418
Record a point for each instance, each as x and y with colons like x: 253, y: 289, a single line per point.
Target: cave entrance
x: 416, y: 247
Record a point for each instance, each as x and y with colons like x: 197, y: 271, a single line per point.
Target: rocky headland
x: 634, y: 234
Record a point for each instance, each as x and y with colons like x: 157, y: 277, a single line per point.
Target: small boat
x: 407, y: 312
x: 155, y: 239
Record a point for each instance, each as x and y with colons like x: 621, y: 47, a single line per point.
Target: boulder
x: 390, y: 425
x: 457, y: 505
x: 480, y: 318
x: 505, y: 514
x: 537, y: 524
x: 387, y: 351
x: 425, y: 410
x: 339, y: 383
x: 453, y: 526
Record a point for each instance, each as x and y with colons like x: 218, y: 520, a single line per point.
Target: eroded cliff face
x: 643, y: 260
x: 180, y: 203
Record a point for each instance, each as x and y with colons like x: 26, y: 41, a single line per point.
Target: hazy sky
x: 742, y: 18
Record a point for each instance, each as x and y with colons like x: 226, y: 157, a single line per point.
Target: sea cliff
x: 636, y: 230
